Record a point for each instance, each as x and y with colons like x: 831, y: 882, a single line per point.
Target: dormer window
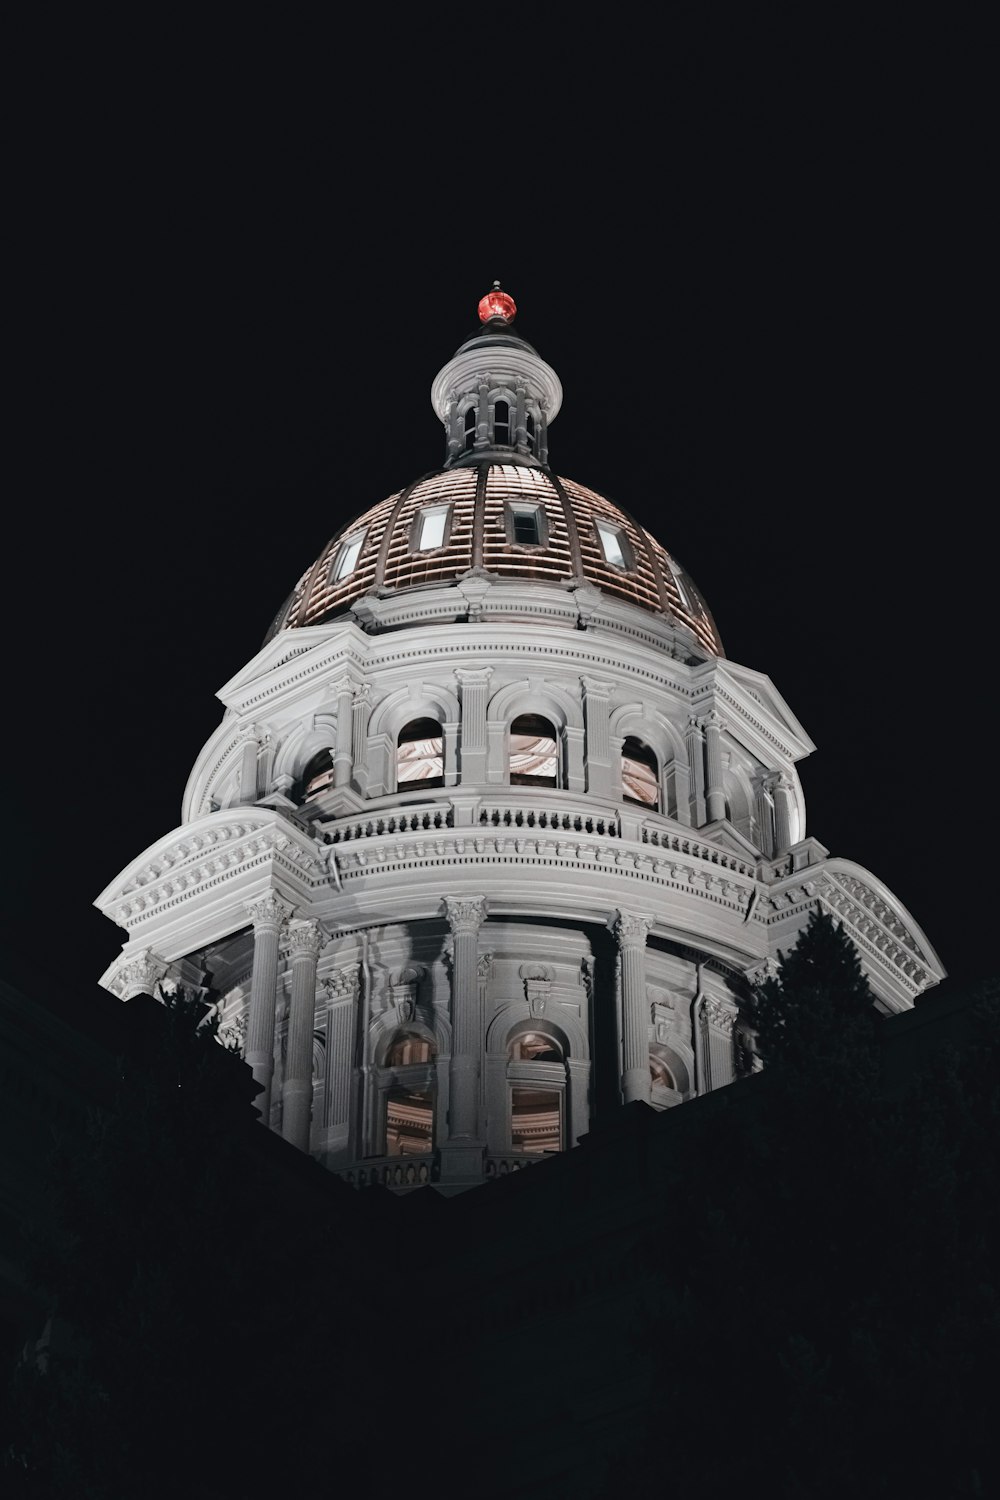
x: 346, y: 559
x: 614, y: 545
x: 431, y: 529
x: 527, y: 524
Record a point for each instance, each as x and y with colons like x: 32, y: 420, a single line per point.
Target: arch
x: 302, y: 743
x: 419, y: 701
x: 570, y: 1033
x: 420, y: 754
x: 641, y: 780
x: 533, y: 752
x: 655, y: 729
x: 532, y: 696
x: 739, y: 800
x: 672, y: 1059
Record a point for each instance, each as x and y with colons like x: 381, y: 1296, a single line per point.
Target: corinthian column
x: 296, y: 1094
x: 631, y: 930
x: 715, y: 795
x: 268, y: 916
x: 465, y: 917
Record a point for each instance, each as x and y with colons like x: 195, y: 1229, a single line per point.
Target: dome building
x: 492, y: 835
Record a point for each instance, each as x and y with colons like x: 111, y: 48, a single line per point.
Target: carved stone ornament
x: 484, y: 965
x: 631, y: 929
x: 768, y: 969
x: 305, y: 939
x: 268, y: 912
x: 140, y: 975
x: 720, y: 1015
x: 342, y: 984
x: 465, y: 913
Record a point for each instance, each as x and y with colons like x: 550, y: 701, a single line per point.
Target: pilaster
x: 597, y: 693
x: 630, y: 931
x: 474, y: 691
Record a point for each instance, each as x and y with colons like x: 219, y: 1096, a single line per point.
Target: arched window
x: 534, y: 752
x: 317, y: 776
x: 420, y: 754
x: 536, y: 1075
x: 666, y: 1087
x: 470, y: 427
x: 409, y: 1095
x: 501, y: 423
x: 640, y: 774
x: 531, y: 432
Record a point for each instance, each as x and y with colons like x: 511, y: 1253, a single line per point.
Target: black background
x: 760, y: 258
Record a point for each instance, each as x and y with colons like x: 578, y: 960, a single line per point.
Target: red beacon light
x: 496, y: 304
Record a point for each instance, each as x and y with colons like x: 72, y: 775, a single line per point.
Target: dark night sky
x: 761, y: 266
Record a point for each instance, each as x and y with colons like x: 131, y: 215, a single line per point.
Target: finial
x: 497, y: 304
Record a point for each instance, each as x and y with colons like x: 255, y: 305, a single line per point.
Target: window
x: 614, y: 545
x: 534, y: 754
x: 534, y: 1046
x: 535, y: 1120
x: 527, y: 524
x: 346, y: 559
x: 640, y: 774
x: 409, y: 1122
x: 409, y: 1048
x: 470, y: 428
x: 420, y: 754
x: 531, y: 432
x: 432, y: 526
x: 686, y: 599
x: 318, y: 775
x: 501, y: 423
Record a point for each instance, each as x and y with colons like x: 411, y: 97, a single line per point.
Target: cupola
x: 496, y: 396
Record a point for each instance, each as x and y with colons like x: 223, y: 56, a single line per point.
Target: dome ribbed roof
x: 479, y: 535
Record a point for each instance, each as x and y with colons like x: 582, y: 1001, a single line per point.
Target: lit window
x: 318, y: 774
x: 640, y: 774
x: 525, y: 525
x: 686, y: 600
x: 534, y: 1046
x: 420, y: 753
x: 534, y: 757
x: 347, y: 558
x: 535, y: 1120
x: 409, y: 1122
x: 614, y: 545
x: 431, y: 530
x: 410, y: 1048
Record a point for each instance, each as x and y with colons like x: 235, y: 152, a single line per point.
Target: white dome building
x: 492, y: 836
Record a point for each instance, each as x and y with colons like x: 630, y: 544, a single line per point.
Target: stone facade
x: 445, y: 978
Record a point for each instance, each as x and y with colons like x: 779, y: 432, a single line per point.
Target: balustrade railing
x: 393, y: 1171
x: 503, y: 1166
x: 677, y: 843
x: 549, y: 819
x: 395, y: 820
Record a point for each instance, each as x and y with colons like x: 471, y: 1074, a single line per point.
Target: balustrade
x: 398, y: 820
x: 393, y: 1171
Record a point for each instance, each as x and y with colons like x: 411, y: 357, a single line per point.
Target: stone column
x: 630, y: 931
x: 342, y: 762
x: 268, y: 916
x: 572, y: 739
x: 483, y: 415
x: 715, y: 795
x: 521, y: 420
x: 779, y: 784
x: 719, y: 1020
x: 341, y: 1011
x: 597, y: 710
x: 474, y: 688
x: 454, y: 429
x: 763, y: 816
x: 696, y: 761
x: 296, y: 1094
x: 361, y: 713
x: 466, y: 915
x: 250, y: 746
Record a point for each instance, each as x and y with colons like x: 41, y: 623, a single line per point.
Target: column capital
x: 720, y: 1015
x: 340, y: 685
x: 712, y: 720
x: 630, y: 929
x: 342, y: 983
x: 597, y: 687
x: 474, y: 676
x: 465, y: 913
x: 269, y: 912
x: 140, y: 975
x: 694, y: 723
x: 305, y: 938
x: 362, y: 694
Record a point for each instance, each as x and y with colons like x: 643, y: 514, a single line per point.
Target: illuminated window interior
x: 431, y: 530
x: 347, y: 557
x: 534, y: 1046
x: 535, y: 1119
x: 686, y: 599
x: 420, y: 753
x: 409, y: 1048
x: 409, y: 1122
x: 318, y: 775
x: 640, y: 774
x: 660, y: 1075
x: 613, y: 544
x: 534, y: 759
x: 525, y: 525
x: 501, y: 423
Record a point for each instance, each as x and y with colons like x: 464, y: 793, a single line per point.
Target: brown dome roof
x: 478, y: 534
